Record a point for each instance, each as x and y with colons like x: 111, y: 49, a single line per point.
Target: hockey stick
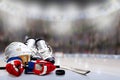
x: 2, y: 68
x: 76, y: 70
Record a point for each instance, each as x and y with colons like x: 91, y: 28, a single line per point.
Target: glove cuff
x: 14, y: 58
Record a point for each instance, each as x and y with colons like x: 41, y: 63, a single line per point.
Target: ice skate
x: 44, y: 50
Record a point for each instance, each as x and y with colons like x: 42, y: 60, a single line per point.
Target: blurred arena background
x: 84, y: 34
x: 69, y: 26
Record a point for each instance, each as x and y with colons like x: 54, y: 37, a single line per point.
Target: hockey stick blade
x: 86, y: 71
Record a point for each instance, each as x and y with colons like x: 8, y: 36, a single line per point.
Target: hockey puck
x: 60, y: 72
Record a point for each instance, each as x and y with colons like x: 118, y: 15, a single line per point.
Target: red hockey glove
x: 40, y: 67
x: 14, y: 66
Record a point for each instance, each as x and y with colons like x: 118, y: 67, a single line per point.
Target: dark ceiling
x: 81, y: 2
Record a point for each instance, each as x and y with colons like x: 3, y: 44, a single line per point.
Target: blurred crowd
x: 85, y: 41
x: 71, y: 28
x: 83, y: 38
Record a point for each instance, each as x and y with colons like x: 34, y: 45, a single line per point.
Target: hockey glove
x: 14, y: 66
x: 40, y: 67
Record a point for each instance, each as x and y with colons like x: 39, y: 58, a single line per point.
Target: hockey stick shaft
x: 79, y: 71
x: 2, y: 68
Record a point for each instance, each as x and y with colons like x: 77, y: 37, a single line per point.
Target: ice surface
x: 101, y: 69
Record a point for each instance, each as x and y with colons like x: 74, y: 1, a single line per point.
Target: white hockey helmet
x: 17, y: 49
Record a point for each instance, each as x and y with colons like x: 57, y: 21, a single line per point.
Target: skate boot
x: 31, y: 44
x: 44, y: 51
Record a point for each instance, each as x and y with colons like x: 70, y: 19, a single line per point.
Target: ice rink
x: 102, y: 67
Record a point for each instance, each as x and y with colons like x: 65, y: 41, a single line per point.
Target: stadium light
x: 51, y: 12
x: 109, y: 7
x: 34, y: 11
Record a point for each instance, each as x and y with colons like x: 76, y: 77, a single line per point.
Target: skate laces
x: 45, y: 53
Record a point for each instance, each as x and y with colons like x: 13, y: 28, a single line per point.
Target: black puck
x: 60, y: 72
